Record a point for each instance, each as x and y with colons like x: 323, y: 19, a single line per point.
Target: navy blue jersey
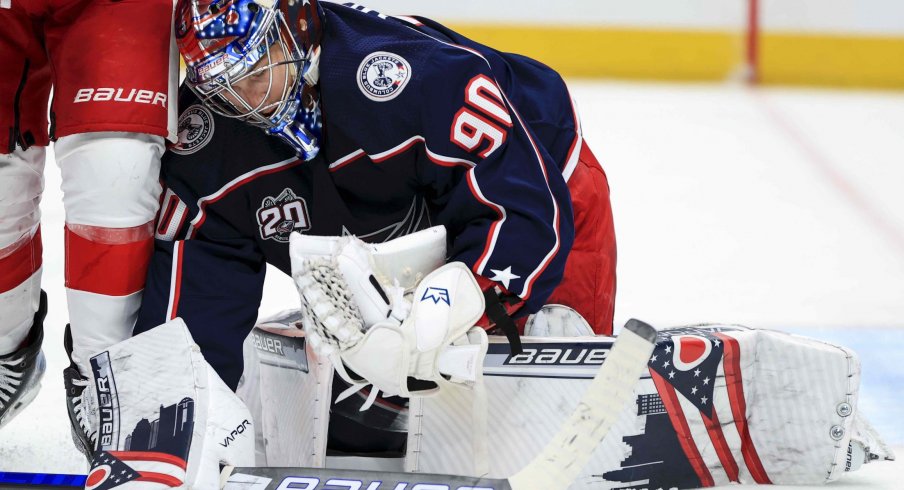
x: 421, y: 127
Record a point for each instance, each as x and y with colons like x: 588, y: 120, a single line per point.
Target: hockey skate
x: 21, y: 370
x: 79, y: 404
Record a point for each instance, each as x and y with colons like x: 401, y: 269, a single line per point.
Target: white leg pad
x: 557, y: 321
x: 162, y: 410
x: 288, y: 389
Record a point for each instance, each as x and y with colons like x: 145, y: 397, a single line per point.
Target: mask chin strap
x: 304, y: 144
x: 303, y: 131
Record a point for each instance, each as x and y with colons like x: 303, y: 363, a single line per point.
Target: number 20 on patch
x: 480, y: 122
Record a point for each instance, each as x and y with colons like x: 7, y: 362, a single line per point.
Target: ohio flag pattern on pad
x: 718, y: 404
x: 107, y: 471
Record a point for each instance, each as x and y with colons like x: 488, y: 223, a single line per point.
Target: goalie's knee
x: 110, y: 180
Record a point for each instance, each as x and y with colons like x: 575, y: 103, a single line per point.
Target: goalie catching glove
x: 366, y: 308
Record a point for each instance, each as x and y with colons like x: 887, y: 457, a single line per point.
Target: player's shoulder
x: 390, y: 65
x: 195, y: 130
x: 205, y: 136
x: 213, y: 149
x: 358, y: 36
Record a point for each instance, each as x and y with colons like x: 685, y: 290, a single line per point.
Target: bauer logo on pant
x: 119, y: 94
x: 195, y: 130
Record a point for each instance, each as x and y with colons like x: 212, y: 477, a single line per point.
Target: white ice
x: 777, y: 208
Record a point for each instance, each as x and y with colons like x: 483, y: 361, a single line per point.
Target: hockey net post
x: 752, y: 44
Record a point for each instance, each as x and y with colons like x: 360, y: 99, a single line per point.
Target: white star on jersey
x: 504, y: 276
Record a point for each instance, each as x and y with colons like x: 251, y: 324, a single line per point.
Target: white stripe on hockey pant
x: 172, y: 97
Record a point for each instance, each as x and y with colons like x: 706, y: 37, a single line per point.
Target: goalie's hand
x: 398, y: 341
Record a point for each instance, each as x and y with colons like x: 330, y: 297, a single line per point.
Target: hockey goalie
x: 403, y: 125
x: 718, y: 403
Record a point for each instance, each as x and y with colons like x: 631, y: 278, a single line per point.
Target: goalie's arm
x: 495, y: 187
x: 215, y: 288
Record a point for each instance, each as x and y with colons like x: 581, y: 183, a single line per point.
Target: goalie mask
x: 256, y: 61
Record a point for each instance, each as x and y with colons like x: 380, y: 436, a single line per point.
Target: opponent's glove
x: 378, y: 331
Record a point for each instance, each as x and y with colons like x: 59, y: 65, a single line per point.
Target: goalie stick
x: 40, y: 480
x: 554, y: 468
